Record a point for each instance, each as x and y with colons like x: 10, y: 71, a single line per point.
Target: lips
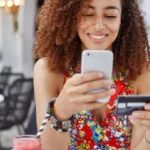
x: 97, y: 37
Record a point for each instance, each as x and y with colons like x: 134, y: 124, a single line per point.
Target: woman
x: 66, y: 29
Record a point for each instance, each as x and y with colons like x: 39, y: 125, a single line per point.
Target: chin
x: 102, y: 46
x: 99, y: 48
x: 92, y: 46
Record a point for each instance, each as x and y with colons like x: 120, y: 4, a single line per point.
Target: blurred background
x: 17, y: 34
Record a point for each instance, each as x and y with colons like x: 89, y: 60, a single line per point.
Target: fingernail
x: 100, y: 75
x: 131, y: 120
x: 130, y: 117
x: 112, y: 91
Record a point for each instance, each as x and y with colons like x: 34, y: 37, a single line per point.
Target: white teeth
x: 97, y: 37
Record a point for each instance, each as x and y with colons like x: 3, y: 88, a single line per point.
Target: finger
x: 86, y: 98
x: 133, y: 121
x: 93, y: 85
x: 144, y: 122
x: 78, y: 79
x: 141, y: 114
x: 147, y: 106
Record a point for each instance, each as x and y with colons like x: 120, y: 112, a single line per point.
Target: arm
x: 141, y: 124
x: 71, y: 99
x: 47, y: 85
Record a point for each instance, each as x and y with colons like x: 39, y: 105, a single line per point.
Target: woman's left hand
x: 141, y: 118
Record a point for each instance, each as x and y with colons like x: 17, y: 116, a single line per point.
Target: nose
x: 99, y: 24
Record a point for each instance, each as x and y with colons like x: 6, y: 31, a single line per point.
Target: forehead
x: 105, y: 3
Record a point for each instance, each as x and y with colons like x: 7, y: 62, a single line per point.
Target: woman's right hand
x: 74, y: 97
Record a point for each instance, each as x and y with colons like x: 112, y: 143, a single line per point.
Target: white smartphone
x: 98, y: 61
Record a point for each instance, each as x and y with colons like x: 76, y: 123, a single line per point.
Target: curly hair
x: 58, y: 40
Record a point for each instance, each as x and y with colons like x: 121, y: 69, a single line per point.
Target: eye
x: 88, y: 15
x: 111, y: 17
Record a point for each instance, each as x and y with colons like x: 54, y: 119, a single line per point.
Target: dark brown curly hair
x: 57, y: 37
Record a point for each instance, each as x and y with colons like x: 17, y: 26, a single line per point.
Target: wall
x: 1, y: 39
x: 17, y: 48
x: 28, y: 35
x: 145, y: 4
x: 0, y: 30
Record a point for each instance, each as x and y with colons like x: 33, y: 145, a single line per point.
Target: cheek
x: 81, y: 34
x: 81, y: 30
x: 114, y: 28
x: 84, y: 24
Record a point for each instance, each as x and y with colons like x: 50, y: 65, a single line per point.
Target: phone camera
x: 88, y: 54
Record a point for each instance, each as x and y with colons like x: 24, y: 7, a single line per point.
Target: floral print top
x: 113, y: 133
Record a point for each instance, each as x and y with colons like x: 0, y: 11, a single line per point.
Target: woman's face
x: 99, y: 24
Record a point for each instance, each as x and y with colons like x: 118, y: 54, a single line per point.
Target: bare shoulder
x: 41, y: 66
x: 43, y: 62
x: 142, y: 83
x: 43, y: 74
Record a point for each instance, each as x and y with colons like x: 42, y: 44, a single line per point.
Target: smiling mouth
x: 97, y: 37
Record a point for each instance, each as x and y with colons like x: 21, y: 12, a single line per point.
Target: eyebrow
x: 107, y: 8
x: 111, y: 7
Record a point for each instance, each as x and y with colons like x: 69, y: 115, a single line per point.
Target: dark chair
x: 6, y: 69
x: 5, y: 148
x: 14, y: 109
x: 6, y: 79
x: 4, y: 75
x: 3, y: 81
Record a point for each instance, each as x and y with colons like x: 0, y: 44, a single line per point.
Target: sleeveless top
x: 113, y: 133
